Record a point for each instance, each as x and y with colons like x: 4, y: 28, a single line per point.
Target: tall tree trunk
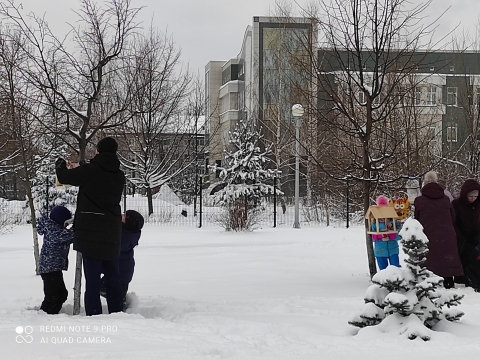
x: 77, y: 288
x: 368, y: 240
x: 33, y: 218
x: 150, y: 200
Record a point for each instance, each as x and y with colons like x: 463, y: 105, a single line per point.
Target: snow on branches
x: 245, y: 176
x: 408, y: 301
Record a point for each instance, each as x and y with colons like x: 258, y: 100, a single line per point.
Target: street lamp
x: 297, y: 113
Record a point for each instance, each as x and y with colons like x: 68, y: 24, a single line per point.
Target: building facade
x: 258, y: 85
x: 266, y: 78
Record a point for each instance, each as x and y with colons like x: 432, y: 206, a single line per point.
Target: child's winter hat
x: 430, y: 177
x: 133, y: 221
x: 382, y: 200
x: 107, y: 144
x: 60, y: 214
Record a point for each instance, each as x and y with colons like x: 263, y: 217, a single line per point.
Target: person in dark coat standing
x: 98, y: 222
x: 435, y: 213
x: 467, y: 226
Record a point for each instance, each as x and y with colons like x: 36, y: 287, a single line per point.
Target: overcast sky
x: 213, y: 29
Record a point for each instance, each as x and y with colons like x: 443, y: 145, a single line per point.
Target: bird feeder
x: 375, y: 213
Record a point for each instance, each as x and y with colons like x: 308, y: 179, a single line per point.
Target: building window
x: 431, y: 95
x: 452, y: 132
x: 452, y: 96
x: 225, y: 103
x: 418, y: 96
x: 218, y: 163
x: 452, y: 68
x: 165, y: 143
x: 361, y: 98
x: 432, y: 134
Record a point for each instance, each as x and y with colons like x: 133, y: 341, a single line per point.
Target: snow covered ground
x: 204, y: 293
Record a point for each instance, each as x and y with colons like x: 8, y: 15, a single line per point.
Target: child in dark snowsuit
x: 54, y: 257
x: 132, y: 224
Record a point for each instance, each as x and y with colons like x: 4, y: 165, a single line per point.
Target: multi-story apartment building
x: 445, y: 93
x: 261, y: 84
x: 257, y: 85
x: 253, y: 84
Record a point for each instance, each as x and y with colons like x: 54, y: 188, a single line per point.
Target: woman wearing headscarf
x: 467, y: 226
x: 436, y: 214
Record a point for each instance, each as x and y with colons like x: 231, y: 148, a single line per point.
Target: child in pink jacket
x: 385, y: 246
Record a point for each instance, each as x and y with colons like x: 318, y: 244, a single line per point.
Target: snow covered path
x: 203, y: 293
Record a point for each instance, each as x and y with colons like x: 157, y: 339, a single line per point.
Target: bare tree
x: 157, y: 132
x: 195, y: 111
x: 363, y: 73
x: 72, y: 72
x: 26, y: 143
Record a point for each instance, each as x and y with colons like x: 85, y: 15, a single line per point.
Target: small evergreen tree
x: 245, y: 177
x: 45, y: 193
x: 408, y: 300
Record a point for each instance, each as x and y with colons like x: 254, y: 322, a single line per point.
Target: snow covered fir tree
x: 246, y: 178
x: 408, y: 301
x: 46, y: 194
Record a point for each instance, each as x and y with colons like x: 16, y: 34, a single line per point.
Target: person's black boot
x: 448, y: 282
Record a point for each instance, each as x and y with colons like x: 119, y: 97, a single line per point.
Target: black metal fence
x: 168, y: 209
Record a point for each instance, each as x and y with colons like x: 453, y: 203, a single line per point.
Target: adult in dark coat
x: 435, y: 213
x: 467, y: 226
x: 98, y: 222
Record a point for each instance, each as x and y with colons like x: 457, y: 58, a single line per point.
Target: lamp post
x: 297, y: 113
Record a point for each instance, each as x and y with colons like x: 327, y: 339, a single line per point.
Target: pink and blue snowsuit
x: 385, y: 250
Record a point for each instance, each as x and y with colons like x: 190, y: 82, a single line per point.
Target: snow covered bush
x: 237, y: 217
x: 408, y: 301
x: 245, y: 179
x: 7, y: 218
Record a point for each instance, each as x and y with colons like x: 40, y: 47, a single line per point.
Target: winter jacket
x: 467, y: 217
x: 435, y: 213
x: 97, y: 223
x: 381, y: 247
x: 127, y: 261
x: 56, y: 244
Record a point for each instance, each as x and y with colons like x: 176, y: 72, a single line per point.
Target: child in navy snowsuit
x: 54, y: 257
x: 132, y: 224
x: 385, y: 246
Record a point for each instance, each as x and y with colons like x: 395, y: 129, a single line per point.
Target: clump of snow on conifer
x: 45, y: 193
x: 408, y: 301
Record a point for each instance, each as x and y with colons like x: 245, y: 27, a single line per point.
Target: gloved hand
x: 60, y: 162
x: 68, y: 222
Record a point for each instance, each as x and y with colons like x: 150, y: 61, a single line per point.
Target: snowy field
x: 204, y: 293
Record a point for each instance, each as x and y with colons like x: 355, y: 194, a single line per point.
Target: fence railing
x: 169, y: 210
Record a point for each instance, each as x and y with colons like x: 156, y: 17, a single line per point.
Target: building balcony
x: 232, y: 86
x: 230, y: 115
